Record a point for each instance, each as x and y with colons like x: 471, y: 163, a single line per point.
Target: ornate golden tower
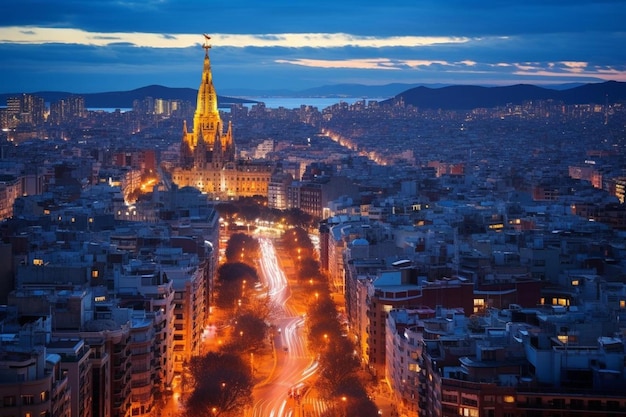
x: 207, y: 155
x: 207, y: 123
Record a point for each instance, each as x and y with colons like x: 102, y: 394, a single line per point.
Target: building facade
x: 208, y: 158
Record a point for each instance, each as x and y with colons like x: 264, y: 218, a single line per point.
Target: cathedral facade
x: 208, y: 158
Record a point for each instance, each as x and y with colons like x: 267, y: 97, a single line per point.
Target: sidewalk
x: 384, y: 401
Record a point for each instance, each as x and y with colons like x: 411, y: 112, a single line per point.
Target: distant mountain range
x: 434, y: 96
x: 124, y: 99
x: 465, y: 97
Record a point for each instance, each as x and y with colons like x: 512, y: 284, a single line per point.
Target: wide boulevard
x: 285, y: 392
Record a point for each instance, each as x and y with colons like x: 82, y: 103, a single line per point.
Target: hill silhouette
x: 124, y: 99
x: 456, y: 97
x: 466, y: 97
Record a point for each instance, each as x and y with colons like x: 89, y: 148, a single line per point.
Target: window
x: 449, y: 397
x: 508, y: 399
x: 9, y: 401
x: 468, y: 412
x: 27, y: 399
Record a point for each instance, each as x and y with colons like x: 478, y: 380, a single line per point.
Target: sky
x: 85, y: 46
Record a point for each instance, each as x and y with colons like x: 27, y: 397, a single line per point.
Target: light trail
x: 294, y: 364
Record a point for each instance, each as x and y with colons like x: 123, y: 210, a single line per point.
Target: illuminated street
x: 293, y: 365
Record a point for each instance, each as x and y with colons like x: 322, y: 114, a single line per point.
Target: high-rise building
x: 208, y: 158
x: 67, y: 109
x: 25, y: 109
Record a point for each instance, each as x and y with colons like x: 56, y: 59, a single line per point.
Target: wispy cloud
x: 376, y: 63
x: 45, y: 35
x: 565, y: 69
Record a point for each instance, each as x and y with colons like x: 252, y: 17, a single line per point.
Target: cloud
x: 377, y: 63
x: 45, y: 35
x: 574, y: 69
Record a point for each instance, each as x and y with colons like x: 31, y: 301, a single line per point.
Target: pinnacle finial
x: 206, y: 44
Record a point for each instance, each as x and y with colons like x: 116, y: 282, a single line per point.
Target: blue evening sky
x: 86, y: 46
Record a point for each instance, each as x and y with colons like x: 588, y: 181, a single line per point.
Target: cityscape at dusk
x: 176, y: 243
x: 94, y: 46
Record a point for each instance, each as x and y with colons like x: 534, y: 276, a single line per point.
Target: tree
x: 297, y: 217
x: 222, y: 385
x: 230, y: 283
x: 226, y: 210
x: 339, y: 365
x: 249, y: 333
x: 242, y: 248
x: 322, y: 323
x: 309, y: 268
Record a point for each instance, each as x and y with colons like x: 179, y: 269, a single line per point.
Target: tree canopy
x: 222, y: 385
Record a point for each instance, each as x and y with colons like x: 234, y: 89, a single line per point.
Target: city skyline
x: 102, y: 46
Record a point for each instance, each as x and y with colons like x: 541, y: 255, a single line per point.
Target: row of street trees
x: 341, y: 380
x: 248, y: 210
x: 223, y: 378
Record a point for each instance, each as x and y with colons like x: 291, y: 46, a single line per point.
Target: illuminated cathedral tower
x: 207, y: 143
x: 208, y: 159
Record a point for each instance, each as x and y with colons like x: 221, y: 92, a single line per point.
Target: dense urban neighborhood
x: 367, y: 258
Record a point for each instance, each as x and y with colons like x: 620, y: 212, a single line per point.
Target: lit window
x: 94, y: 273
x: 468, y: 412
x: 622, y: 303
x: 560, y: 302
x: 575, y: 283
x: 508, y: 399
x: 38, y: 262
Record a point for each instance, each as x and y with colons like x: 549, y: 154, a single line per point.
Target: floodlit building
x: 208, y: 158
